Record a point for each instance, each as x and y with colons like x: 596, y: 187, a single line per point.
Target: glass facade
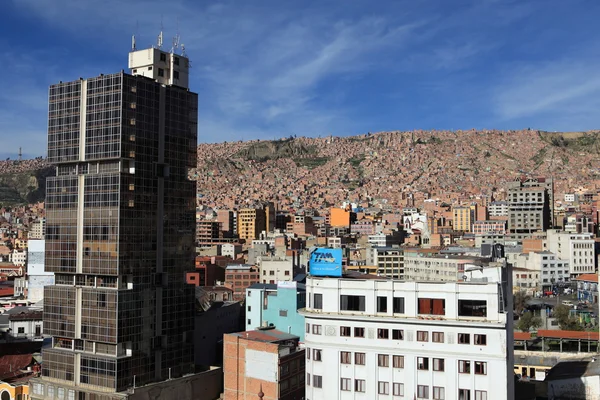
x: 120, y: 234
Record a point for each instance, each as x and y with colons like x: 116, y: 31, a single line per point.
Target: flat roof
x: 573, y: 335
x: 266, y: 335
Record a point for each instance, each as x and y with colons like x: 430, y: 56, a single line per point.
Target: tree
x: 566, y: 322
x: 528, y: 321
x: 520, y: 300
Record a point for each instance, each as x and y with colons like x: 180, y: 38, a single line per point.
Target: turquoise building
x: 276, y: 305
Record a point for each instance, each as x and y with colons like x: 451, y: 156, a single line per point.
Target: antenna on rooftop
x: 160, y: 35
x: 20, y: 154
x: 176, y: 39
x: 183, y: 50
x: 132, y: 42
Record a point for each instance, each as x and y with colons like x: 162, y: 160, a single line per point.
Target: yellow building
x: 16, y: 391
x: 251, y: 222
x: 463, y: 218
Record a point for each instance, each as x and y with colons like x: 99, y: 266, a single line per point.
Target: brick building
x: 263, y: 364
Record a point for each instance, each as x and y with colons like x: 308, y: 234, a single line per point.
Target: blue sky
x: 269, y: 69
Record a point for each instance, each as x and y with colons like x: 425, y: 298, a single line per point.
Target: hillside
x: 383, y: 167
x: 386, y: 166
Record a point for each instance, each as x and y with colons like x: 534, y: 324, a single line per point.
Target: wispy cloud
x: 550, y: 88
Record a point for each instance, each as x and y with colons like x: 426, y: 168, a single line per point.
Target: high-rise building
x: 120, y: 230
x: 463, y: 218
x: 530, y: 206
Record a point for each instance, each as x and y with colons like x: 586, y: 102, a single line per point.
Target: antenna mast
x: 132, y: 42
x: 20, y: 154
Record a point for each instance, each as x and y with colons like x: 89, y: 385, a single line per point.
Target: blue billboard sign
x: 325, y: 262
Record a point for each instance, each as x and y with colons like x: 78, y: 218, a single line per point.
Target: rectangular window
x: 438, y: 393
x: 472, y: 308
x: 345, y: 357
x: 438, y: 364
x: 318, y: 301
x: 307, y: 353
x: 464, y: 394
x: 422, y: 392
x: 316, y: 329
x: 480, y: 368
x: 359, y: 332
x: 480, y: 395
x: 317, y: 381
x: 397, y: 334
x: 423, y: 363
x: 432, y: 306
x: 398, y: 389
x: 437, y: 337
x: 383, y: 360
x: 21, y: 329
x: 317, y: 355
x: 398, y: 361
x: 344, y: 331
x: 359, y: 385
x: 352, y: 303
x: 163, y: 57
x: 381, y: 304
x: 480, y: 340
x: 464, y: 367
x: 398, y: 305
x: 383, y: 387
x: 359, y: 358
x: 464, y: 338
x: 176, y: 60
x: 161, y: 72
x: 383, y: 333
x: 307, y: 328
x: 345, y: 384
x: 175, y: 74
x: 422, y: 336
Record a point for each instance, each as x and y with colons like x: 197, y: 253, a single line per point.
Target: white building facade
x: 577, y: 249
x: 383, y: 339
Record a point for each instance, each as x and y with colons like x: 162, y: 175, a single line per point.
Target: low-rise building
x: 489, y: 227
x: 373, y: 338
x: 239, y: 277
x: 276, y: 305
x: 587, y: 288
x: 265, y: 364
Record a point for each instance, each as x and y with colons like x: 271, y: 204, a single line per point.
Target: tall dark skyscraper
x: 120, y: 230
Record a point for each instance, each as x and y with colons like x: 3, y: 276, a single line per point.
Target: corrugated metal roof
x: 574, y: 335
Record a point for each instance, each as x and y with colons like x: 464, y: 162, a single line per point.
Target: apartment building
x: 530, y: 207
x: 549, y: 270
x: 208, y: 231
x: 577, y: 249
x: 489, y: 227
x: 368, y: 338
x: 251, y: 222
x: 239, y: 277
x: 389, y: 261
x: 420, y: 266
x: 498, y: 209
x: 275, y: 269
x: 463, y: 218
x: 38, y: 229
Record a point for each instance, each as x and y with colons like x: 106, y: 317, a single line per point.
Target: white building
x: 570, y: 197
x: 38, y: 229
x: 37, y: 277
x: 275, y: 269
x: 19, y: 257
x: 334, y: 242
x: 577, y: 249
x: 231, y: 250
x: 498, y: 209
x: 377, y: 240
x: 383, y: 339
x: 544, y: 266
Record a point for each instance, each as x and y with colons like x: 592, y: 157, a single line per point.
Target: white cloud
x: 554, y: 89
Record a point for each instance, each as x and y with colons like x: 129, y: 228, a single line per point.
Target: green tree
x: 528, y: 321
x: 520, y: 300
x: 566, y: 322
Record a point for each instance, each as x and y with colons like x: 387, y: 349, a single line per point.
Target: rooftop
x: 266, y: 336
x: 587, y: 278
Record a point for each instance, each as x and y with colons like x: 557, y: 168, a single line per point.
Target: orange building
x: 339, y: 217
x: 264, y: 363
